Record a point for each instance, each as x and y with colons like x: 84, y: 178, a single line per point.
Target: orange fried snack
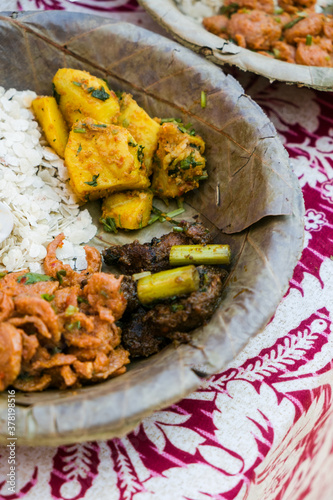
x: 59, y: 329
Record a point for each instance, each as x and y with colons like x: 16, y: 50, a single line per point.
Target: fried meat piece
x: 258, y: 29
x: 284, y: 51
x: 104, y: 296
x: 310, y: 25
x: 186, y: 314
x: 216, y: 24
x: 154, y: 256
x: 26, y: 305
x: 293, y: 6
x: 316, y: 54
x: 10, y: 354
x: 138, y: 337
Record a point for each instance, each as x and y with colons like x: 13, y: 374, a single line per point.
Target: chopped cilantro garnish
x: 126, y: 123
x: 109, y: 225
x: 55, y: 94
x: 100, y: 125
x: 60, y: 274
x: 100, y: 94
x: 140, y: 153
x: 75, y: 325
x: 228, y: 10
x: 131, y: 143
x: 293, y: 22
x: 82, y: 300
x: 202, y: 177
x: 79, y: 149
x: 70, y: 310
x: 189, y: 162
x: 31, y: 278
x: 47, y: 296
x: 79, y: 130
x: 94, y: 181
x: 177, y: 121
x: 78, y: 84
x: 186, y: 131
x: 177, y: 307
x: 171, y: 120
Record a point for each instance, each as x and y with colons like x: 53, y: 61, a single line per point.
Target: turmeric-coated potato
x: 102, y: 159
x: 127, y: 210
x: 52, y: 122
x: 178, y: 162
x: 80, y: 94
x: 143, y: 128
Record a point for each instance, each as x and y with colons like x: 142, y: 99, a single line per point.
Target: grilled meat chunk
x: 187, y: 313
x: 154, y: 256
x: 138, y: 337
x: 145, y: 332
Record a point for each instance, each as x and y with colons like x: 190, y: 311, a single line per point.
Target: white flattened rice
x: 34, y: 186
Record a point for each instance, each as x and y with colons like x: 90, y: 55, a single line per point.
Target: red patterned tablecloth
x: 262, y: 429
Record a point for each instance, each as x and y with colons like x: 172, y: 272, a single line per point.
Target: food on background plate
x: 61, y: 322
x: 295, y: 31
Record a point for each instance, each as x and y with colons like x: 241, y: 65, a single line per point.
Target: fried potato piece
x: 102, y: 159
x: 178, y: 162
x: 80, y: 94
x: 128, y: 209
x: 52, y: 122
x: 143, y: 128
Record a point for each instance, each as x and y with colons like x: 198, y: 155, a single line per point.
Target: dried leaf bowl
x: 252, y: 200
